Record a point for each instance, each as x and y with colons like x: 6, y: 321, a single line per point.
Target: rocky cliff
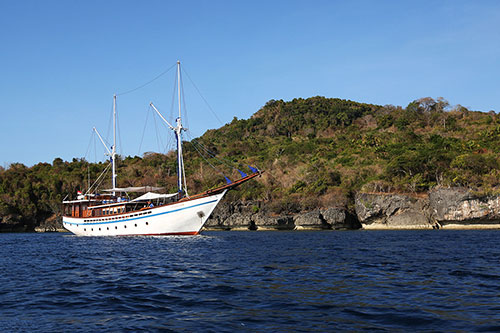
x: 448, y: 208
x: 460, y: 208
x: 392, y: 211
x: 14, y: 223
x: 255, y: 216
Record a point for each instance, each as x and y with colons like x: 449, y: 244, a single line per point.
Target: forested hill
x: 316, y: 152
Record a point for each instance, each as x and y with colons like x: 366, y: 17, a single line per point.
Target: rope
x: 119, y: 133
x: 145, y: 84
x: 213, y: 167
x: 184, y: 174
x: 210, y: 108
x: 97, y: 180
x: 102, y: 176
x: 184, y: 102
x: 90, y: 142
x: 171, y: 114
x: 213, y: 155
x: 144, y: 129
x: 159, y: 142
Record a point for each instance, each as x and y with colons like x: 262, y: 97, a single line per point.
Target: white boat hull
x: 182, y: 218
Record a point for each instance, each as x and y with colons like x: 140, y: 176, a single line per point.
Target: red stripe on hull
x: 189, y: 233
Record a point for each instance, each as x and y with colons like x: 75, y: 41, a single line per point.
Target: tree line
x: 316, y: 152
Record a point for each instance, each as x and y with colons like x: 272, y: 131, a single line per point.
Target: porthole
x: 84, y: 229
x: 147, y: 223
x: 125, y: 226
x: 99, y: 229
x: 135, y: 224
x: 116, y: 227
x: 92, y: 229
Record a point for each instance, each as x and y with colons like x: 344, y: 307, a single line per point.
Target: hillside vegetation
x: 315, y: 152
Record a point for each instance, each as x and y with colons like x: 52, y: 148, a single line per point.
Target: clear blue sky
x: 62, y: 61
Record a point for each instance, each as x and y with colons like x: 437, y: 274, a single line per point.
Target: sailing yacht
x: 113, y: 213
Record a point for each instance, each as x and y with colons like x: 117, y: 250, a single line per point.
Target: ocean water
x: 433, y: 280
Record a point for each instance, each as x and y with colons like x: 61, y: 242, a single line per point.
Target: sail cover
x: 153, y: 196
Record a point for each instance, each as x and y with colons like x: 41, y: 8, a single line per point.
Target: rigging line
x: 109, y: 129
x: 217, y: 159
x: 171, y: 115
x: 184, y: 174
x: 158, y: 139
x: 144, y: 130
x: 168, y: 139
x: 221, y: 160
x: 214, y: 156
x: 211, y: 154
x: 98, y: 178
x: 213, y: 167
x: 119, y: 134
x: 213, y: 112
x: 184, y: 104
x: 105, y: 172
x: 90, y: 143
x: 145, y: 84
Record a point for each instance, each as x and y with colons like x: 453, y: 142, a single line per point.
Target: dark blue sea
x: 434, y: 280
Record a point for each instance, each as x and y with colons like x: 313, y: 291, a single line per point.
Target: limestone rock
x: 264, y: 222
x: 239, y: 221
x: 51, y: 224
x: 253, y: 215
x: 340, y: 218
x: 392, y: 211
x: 457, y: 207
x: 310, y: 220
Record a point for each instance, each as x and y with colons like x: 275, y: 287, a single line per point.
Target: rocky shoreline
x: 442, y: 208
x: 254, y: 216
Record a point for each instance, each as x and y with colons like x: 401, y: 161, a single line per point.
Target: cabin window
x: 135, y: 224
x: 107, y: 228
x: 147, y: 223
x: 116, y: 227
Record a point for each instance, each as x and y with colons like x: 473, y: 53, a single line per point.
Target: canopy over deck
x: 153, y: 196
x: 134, y: 189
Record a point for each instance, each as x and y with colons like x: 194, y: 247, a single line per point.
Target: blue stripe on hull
x: 140, y: 217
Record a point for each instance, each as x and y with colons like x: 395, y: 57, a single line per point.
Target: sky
x: 62, y: 61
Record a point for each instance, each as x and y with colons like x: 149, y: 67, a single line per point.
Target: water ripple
x: 252, y: 281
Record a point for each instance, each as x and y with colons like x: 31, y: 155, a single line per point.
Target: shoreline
x: 441, y: 208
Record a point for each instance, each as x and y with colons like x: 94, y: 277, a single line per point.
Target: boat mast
x: 113, y: 150
x: 178, y: 129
